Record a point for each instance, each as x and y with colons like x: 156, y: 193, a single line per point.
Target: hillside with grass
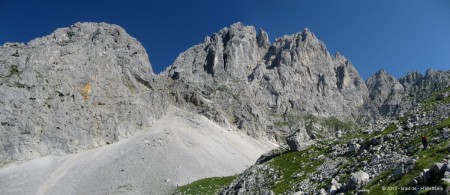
x: 389, y: 160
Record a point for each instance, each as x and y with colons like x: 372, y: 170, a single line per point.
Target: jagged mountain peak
x: 237, y: 29
x: 263, y: 39
x: 381, y: 71
x: 411, y: 77
x: 381, y: 76
x: 264, y: 77
x: 341, y: 58
x: 307, y: 33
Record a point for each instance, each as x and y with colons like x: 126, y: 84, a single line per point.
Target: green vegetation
x: 336, y: 124
x: 291, y: 168
x: 21, y: 85
x: 318, y: 127
x: 286, y: 166
x: 426, y: 159
x: 13, y: 70
x: 442, y: 124
x: 286, y: 119
x: 380, y: 178
x: 310, y: 121
x: 206, y: 186
x: 292, y: 163
x: 444, y: 184
x: 434, y: 100
x: 281, y: 123
x: 227, y: 90
x: 389, y: 129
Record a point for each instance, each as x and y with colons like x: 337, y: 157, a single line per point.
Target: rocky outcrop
x: 298, y: 140
x: 242, y: 81
x: 381, y: 158
x: 385, y: 92
x: 390, y: 97
x: 358, y: 179
x: 78, y: 88
x: 419, y: 87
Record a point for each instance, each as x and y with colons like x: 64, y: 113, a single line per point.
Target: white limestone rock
x: 78, y: 88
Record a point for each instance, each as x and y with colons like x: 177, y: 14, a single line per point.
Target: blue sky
x: 397, y: 35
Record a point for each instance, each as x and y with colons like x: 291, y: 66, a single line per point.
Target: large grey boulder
x: 78, y: 88
x: 358, y: 179
x: 298, y: 140
x: 398, y: 173
x: 438, y: 170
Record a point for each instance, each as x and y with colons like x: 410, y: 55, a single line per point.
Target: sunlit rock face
x: 240, y: 79
x: 80, y: 87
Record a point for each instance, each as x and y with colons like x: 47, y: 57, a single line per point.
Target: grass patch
x: 281, y: 123
x: 13, y: 70
x: 426, y: 159
x: 227, y: 90
x: 389, y: 129
x: 375, y: 186
x: 292, y: 163
x: 336, y: 124
x: 206, y: 186
x: 444, y: 123
x: 430, y: 103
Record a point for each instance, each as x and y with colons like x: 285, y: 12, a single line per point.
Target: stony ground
x: 389, y: 156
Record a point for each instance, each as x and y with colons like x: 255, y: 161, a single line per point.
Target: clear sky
x: 397, y: 35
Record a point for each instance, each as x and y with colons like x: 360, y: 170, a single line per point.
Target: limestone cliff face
x: 420, y: 86
x: 80, y: 87
x: 241, y: 80
x: 386, y: 93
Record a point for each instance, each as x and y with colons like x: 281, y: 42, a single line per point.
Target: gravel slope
x: 179, y: 148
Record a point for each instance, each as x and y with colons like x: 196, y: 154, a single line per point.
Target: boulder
x: 438, y: 170
x: 333, y: 190
x: 425, y: 176
x: 442, y: 96
x: 322, y: 192
x: 358, y: 179
x: 335, y: 187
x: 298, y: 140
x: 398, y: 173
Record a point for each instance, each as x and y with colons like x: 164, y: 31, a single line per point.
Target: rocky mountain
x: 347, y: 134
x: 91, y: 85
x: 239, y: 79
x: 78, y: 88
x: 389, y: 160
x: 391, y: 97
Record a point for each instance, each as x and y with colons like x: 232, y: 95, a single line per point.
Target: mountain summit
x: 253, y: 85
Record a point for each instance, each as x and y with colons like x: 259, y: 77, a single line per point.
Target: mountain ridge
x: 233, y: 69
x: 91, y: 85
